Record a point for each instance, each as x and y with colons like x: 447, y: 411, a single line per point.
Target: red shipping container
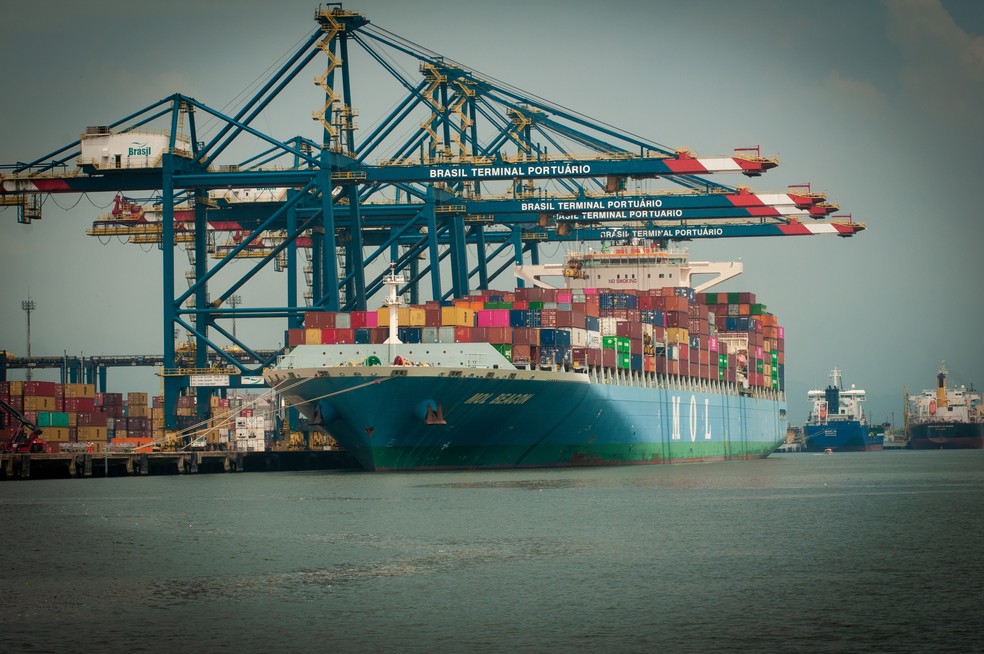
x: 526, y: 336
x: 79, y: 404
x: 295, y: 337
x: 498, y: 335
x: 93, y: 419
x: 676, y: 319
x: 628, y: 329
x: 365, y: 319
x: 319, y: 319
x: 432, y: 317
x: 42, y: 388
x: 463, y: 334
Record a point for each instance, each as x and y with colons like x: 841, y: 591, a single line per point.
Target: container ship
x: 944, y: 418
x: 627, y: 363
x: 837, y: 421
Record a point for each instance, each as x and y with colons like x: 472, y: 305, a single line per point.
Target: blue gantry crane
x: 462, y: 180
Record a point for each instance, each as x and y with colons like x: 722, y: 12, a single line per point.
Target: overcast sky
x: 878, y: 104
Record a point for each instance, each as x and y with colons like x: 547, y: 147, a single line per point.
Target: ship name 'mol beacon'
x: 945, y: 418
x: 628, y: 363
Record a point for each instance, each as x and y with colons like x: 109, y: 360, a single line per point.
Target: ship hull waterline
x: 946, y: 436
x: 392, y: 419
x: 842, y: 436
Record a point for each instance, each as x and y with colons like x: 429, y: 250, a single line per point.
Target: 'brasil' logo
x: 138, y: 150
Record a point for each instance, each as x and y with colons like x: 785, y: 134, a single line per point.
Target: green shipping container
x: 52, y: 419
x: 624, y: 360
x: 723, y: 361
x: 505, y: 349
x: 536, y: 305
x: 608, y: 342
x: 734, y: 298
x: 758, y: 310
x: 775, y: 357
x: 712, y: 298
x: 622, y: 345
x: 759, y: 366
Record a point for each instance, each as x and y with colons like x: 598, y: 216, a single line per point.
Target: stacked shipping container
x: 669, y: 331
x: 75, y: 413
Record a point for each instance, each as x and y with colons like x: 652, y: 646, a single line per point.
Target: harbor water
x: 852, y: 552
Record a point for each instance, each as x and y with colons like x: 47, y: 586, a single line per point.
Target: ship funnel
x: 941, y: 387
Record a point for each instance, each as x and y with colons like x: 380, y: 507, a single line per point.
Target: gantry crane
x: 488, y: 171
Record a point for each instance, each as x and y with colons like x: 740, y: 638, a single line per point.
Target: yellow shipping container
x: 402, y: 317
x: 93, y: 434
x: 16, y: 388
x: 73, y: 419
x: 39, y: 403
x: 312, y: 336
x: 136, y: 398
x: 56, y: 434
x: 417, y: 317
x: 136, y: 411
x: 457, y: 316
x: 677, y: 335
x: 80, y: 390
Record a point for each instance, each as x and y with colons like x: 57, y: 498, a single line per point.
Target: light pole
x: 28, y: 306
x: 234, y: 301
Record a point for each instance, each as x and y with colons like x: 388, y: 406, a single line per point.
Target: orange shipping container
x: 137, y: 442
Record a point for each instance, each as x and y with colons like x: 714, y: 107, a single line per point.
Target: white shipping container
x: 593, y: 340
x: 250, y: 444
x: 608, y: 325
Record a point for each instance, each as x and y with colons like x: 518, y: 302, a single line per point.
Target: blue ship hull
x: 430, y: 419
x: 842, y: 436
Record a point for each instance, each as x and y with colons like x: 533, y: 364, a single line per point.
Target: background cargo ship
x: 648, y: 372
x: 944, y: 418
x: 837, y: 421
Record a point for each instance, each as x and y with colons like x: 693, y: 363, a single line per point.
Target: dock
x: 81, y: 465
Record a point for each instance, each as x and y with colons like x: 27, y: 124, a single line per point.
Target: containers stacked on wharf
x: 75, y: 416
x: 669, y: 331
